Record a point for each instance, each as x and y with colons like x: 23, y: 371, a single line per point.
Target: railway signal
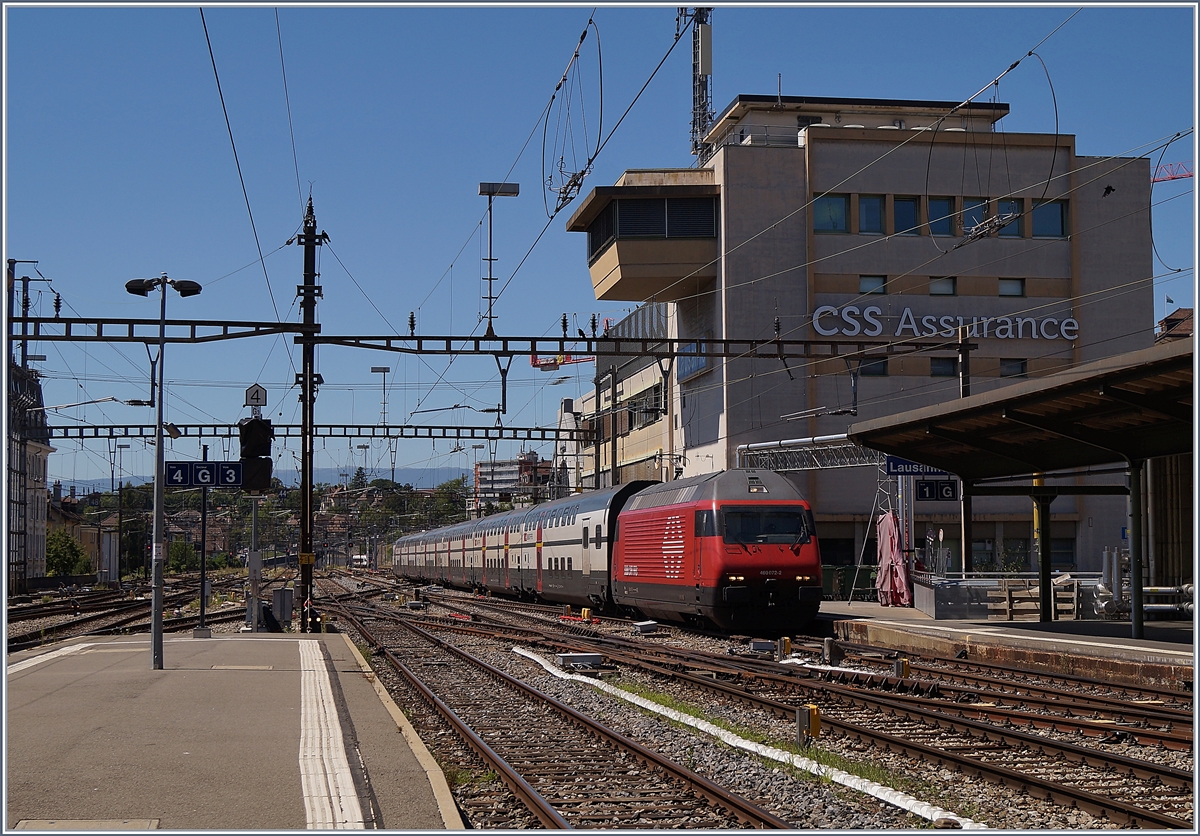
x: 255, y: 436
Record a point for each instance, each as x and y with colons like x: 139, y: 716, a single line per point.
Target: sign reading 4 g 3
x: 204, y: 474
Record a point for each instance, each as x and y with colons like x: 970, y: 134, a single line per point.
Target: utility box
x: 281, y: 605
x: 568, y: 660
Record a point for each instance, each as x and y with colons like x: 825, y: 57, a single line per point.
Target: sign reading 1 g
x: 204, y: 474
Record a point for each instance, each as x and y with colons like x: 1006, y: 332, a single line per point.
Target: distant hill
x: 418, y: 477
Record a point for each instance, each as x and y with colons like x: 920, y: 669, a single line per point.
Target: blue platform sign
x: 204, y: 474
x: 937, y: 490
x: 896, y: 466
x: 229, y: 474
x: 179, y: 474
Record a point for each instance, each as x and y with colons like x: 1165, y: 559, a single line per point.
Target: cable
x: 370, y: 301
x: 1152, y: 184
x: 238, y: 163
x: 288, y: 103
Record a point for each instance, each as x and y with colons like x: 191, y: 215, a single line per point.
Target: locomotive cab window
x: 706, y: 523
x: 745, y: 525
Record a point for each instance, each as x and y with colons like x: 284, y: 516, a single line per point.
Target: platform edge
x: 437, y: 779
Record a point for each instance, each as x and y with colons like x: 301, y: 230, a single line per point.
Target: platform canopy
x: 1137, y: 405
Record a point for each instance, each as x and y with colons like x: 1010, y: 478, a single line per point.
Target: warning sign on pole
x: 307, y: 558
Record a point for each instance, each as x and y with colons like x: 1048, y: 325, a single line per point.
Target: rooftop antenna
x: 779, y: 90
x: 702, y: 115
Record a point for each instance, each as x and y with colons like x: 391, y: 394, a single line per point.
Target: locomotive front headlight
x: 804, y: 578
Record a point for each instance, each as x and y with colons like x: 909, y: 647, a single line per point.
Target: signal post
x: 308, y: 379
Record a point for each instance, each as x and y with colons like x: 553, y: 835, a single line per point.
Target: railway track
x: 568, y: 769
x: 980, y: 740
x: 122, y: 615
x: 1002, y: 679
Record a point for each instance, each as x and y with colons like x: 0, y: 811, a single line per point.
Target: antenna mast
x: 702, y: 115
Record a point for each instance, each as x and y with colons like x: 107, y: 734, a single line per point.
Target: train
x: 735, y: 549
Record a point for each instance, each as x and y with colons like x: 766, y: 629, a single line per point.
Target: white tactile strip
x: 330, y: 798
x: 17, y: 667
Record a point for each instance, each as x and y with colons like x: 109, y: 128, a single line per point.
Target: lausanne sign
x: 852, y: 321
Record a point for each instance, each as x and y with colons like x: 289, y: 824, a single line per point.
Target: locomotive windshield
x: 765, y: 525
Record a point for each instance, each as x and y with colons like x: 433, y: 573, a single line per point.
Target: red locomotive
x: 737, y: 549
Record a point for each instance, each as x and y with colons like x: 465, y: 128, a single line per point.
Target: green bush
x: 65, y: 555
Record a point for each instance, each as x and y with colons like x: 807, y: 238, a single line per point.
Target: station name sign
x: 896, y: 466
x: 853, y: 321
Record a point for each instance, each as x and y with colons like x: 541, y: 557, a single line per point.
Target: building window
x: 646, y: 407
x: 1012, y: 367
x: 691, y: 217
x: 907, y: 214
x: 692, y: 360
x: 943, y: 366
x: 642, y: 218
x: 1010, y: 208
x: 831, y: 213
x: 1012, y: 287
x: 941, y: 216
x: 1062, y: 552
x: 873, y: 368
x: 872, y: 284
x: 1050, y: 219
x: 603, y: 230
x: 676, y: 217
x: 943, y: 286
x: 974, y: 213
x: 870, y: 213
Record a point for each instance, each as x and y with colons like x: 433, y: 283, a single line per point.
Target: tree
x: 182, y: 557
x: 65, y: 555
x: 359, y: 481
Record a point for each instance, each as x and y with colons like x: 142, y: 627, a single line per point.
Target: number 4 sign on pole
x: 256, y: 396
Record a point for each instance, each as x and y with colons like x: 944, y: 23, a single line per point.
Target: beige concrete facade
x: 812, y: 230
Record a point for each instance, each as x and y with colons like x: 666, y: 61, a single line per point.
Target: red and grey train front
x: 736, y: 548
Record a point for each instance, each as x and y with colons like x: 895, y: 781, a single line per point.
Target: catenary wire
x: 287, y: 102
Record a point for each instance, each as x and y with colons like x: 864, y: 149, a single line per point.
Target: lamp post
x: 142, y: 287
x: 382, y: 370
x: 493, y: 190
x: 364, y: 448
x: 475, y: 475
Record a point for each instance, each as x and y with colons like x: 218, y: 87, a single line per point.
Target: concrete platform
x: 1094, y: 649
x: 238, y: 732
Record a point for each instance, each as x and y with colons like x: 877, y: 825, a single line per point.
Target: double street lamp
x: 142, y: 287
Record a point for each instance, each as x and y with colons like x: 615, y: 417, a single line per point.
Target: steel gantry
x: 493, y: 433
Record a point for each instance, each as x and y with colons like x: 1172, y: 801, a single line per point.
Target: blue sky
x: 118, y: 165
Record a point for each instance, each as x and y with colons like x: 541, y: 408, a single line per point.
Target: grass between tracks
x: 812, y: 751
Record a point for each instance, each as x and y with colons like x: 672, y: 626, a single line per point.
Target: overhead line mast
x: 309, y: 380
